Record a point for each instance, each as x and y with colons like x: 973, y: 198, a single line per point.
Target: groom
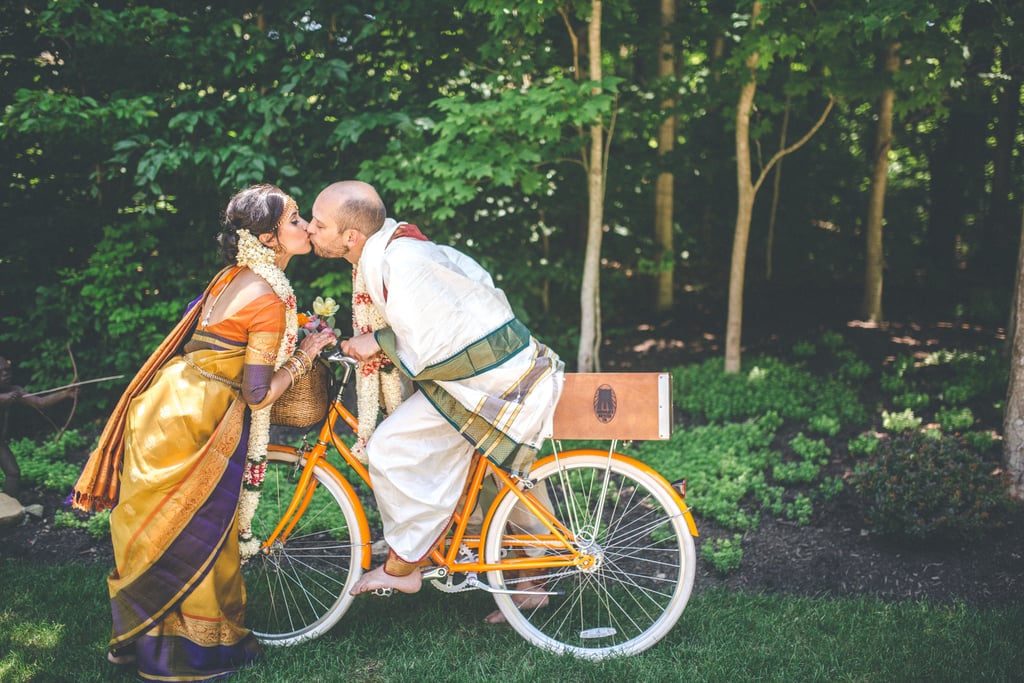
x: 441, y: 310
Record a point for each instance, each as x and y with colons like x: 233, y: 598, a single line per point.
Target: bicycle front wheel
x: 623, y: 516
x: 298, y: 589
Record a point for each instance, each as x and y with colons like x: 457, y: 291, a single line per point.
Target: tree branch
x: 796, y: 145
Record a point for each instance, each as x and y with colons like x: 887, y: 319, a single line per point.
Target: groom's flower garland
x: 378, y: 377
x: 261, y: 260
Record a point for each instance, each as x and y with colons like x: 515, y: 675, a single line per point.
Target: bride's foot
x: 522, y: 601
x: 121, y: 656
x: 381, y: 582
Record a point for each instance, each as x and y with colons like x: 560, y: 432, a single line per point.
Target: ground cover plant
x: 789, y: 550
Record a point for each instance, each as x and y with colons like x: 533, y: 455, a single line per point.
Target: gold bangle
x: 291, y: 377
x: 308, y: 358
x: 296, y: 363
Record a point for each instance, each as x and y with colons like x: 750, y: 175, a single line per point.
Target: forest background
x: 611, y: 163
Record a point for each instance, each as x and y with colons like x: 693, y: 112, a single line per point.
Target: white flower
x: 261, y: 260
x: 372, y: 385
x: 325, y: 308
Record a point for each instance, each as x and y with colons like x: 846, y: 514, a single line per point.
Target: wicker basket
x: 304, y: 404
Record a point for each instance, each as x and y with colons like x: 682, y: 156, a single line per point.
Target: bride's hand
x: 313, y: 344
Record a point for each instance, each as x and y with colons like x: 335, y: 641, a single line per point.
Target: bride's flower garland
x: 260, y: 259
x: 378, y: 377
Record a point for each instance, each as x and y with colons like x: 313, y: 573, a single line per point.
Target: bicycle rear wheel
x: 624, y: 516
x: 299, y: 589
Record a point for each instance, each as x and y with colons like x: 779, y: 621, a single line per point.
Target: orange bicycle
x: 604, y: 539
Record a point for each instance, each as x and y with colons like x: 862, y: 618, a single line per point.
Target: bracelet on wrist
x: 297, y: 365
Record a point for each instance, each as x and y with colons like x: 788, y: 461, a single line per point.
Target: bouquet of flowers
x: 322, y: 318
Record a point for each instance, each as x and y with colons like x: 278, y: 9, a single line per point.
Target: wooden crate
x: 614, y: 405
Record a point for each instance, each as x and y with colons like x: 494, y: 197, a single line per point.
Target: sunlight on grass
x: 55, y: 627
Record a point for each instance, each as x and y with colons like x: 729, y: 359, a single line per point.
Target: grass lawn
x: 54, y: 623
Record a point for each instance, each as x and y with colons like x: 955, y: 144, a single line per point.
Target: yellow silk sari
x: 177, y: 593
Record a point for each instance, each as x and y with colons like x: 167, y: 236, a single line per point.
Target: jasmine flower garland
x: 261, y: 260
x: 378, y: 378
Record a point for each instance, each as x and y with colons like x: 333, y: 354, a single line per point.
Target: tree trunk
x: 587, y: 359
x: 744, y: 211
x: 663, y: 194
x: 776, y: 184
x: 871, y: 309
x: 1013, y: 419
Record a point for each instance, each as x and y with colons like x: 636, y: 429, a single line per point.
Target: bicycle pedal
x: 383, y: 592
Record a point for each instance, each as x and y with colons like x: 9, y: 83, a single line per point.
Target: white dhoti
x: 418, y: 466
x: 486, y: 384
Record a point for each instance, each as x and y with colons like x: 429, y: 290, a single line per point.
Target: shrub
x: 981, y: 442
x: 804, y: 349
x: 831, y: 340
x: 824, y: 424
x: 768, y: 384
x: 724, y: 554
x: 972, y: 373
x: 955, y: 419
x: 44, y: 463
x: 851, y: 368
x: 863, y: 444
x: 97, y: 524
x: 900, y: 422
x: 725, y: 467
x: 911, y: 400
x: 924, y: 487
x: 813, y: 450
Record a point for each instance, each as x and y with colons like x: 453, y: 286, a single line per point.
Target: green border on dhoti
x: 477, y: 358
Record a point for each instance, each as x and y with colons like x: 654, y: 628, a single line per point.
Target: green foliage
x: 824, y: 424
x: 980, y: 442
x: 893, y: 383
x: 804, y: 349
x: 924, y: 487
x: 799, y: 509
x: 912, y: 400
x: 970, y: 374
x: 98, y: 524
x: 900, y: 422
x: 852, y: 369
x: 803, y: 472
x: 832, y: 340
x: 724, y: 554
x: 831, y: 487
x: 863, y: 444
x: 66, y: 519
x: 706, y: 390
x: 955, y: 419
x: 814, y: 450
x: 44, y: 463
x: 724, y: 465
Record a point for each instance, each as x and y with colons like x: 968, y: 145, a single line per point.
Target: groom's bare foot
x: 522, y: 601
x: 379, y: 579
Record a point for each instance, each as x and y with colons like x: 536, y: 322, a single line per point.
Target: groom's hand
x: 362, y: 347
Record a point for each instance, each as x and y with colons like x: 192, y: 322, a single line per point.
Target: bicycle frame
x: 446, y: 555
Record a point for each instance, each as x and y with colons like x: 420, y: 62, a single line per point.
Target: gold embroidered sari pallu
x: 177, y: 592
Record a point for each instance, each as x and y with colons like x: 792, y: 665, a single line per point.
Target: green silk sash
x: 477, y: 358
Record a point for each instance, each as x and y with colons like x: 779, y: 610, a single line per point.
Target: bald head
x: 355, y: 205
x: 344, y: 215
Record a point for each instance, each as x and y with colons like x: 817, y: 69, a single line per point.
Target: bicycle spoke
x: 299, y: 587
x: 639, y: 574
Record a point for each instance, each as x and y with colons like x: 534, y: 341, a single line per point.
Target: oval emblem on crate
x: 605, y: 403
